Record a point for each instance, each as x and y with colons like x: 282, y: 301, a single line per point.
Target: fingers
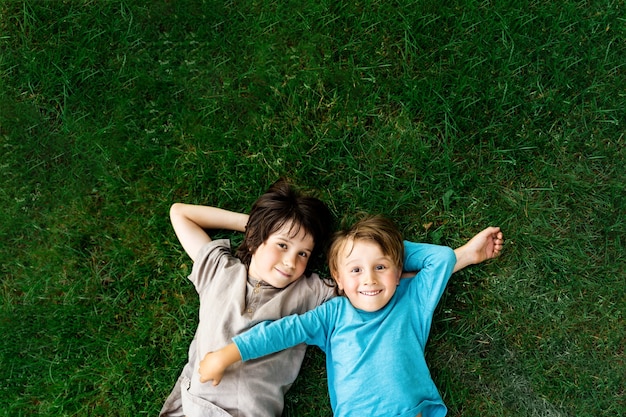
x: 216, y: 381
x: 491, y: 240
x: 498, y: 242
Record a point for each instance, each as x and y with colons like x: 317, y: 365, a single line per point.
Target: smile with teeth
x: 370, y: 293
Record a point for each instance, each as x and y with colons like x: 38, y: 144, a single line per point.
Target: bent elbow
x: 175, y: 209
x: 447, y: 255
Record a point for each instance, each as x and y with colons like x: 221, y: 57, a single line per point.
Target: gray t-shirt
x: 230, y: 303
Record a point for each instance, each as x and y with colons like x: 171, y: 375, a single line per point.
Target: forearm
x: 485, y: 245
x: 208, y: 217
x: 269, y: 337
x: 191, y: 221
x: 229, y: 355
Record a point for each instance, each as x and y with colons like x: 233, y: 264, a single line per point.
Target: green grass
x: 455, y: 114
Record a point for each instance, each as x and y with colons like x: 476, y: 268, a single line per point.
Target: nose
x: 289, y: 260
x: 369, y: 278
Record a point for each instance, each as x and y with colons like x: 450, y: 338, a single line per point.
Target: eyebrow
x: 349, y: 261
x: 289, y: 239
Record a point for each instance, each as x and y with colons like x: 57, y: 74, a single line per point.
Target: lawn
x: 445, y: 116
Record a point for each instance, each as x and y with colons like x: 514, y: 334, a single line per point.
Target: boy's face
x: 366, y: 276
x: 282, y: 258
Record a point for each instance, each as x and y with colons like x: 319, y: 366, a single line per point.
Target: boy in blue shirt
x: 374, y: 337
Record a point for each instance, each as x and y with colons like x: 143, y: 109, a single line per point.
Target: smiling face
x: 283, y: 257
x: 366, y: 275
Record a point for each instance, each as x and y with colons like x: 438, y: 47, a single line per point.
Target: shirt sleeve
x: 437, y: 264
x: 273, y: 336
x: 418, y: 255
x: 212, y: 257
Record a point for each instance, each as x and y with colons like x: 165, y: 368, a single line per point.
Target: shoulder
x: 335, y: 312
x: 213, y: 259
x: 218, y: 247
x: 216, y: 251
x: 313, y: 285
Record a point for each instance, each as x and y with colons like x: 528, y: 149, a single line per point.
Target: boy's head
x: 366, y: 262
x: 283, y: 210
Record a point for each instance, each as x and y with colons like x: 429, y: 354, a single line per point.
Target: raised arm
x: 190, y: 223
x: 483, y: 246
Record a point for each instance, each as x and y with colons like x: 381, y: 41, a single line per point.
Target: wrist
x: 464, y: 258
x: 229, y: 355
x: 242, y: 222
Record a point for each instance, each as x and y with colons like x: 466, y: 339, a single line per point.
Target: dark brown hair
x: 282, y: 204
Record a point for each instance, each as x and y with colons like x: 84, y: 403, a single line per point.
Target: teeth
x: 370, y: 292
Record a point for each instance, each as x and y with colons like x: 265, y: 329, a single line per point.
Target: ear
x: 336, y: 279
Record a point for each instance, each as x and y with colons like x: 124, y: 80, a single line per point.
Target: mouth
x: 370, y: 293
x: 284, y: 274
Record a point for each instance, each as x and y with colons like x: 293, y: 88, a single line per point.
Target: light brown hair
x: 378, y: 229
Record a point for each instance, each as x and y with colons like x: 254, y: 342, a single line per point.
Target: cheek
x: 344, y: 283
x: 302, y: 263
x: 261, y: 257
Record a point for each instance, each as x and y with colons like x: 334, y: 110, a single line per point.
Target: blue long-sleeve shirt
x: 375, y: 360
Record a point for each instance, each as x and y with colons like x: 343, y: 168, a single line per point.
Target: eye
x: 355, y: 270
x: 282, y: 245
x: 303, y: 254
x: 381, y: 267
